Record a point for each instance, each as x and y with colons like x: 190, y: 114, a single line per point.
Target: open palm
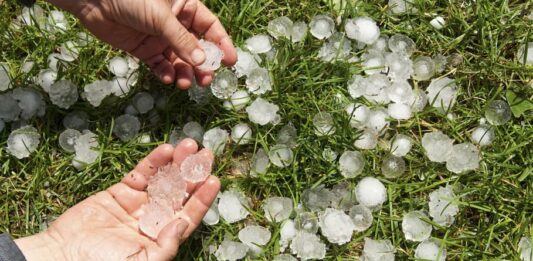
x: 105, y: 226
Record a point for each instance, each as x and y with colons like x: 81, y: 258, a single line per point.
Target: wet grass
x: 496, y: 200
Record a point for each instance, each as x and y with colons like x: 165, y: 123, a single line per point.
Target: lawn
x: 495, y: 201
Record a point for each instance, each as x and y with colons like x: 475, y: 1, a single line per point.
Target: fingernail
x: 198, y: 56
x: 181, y: 227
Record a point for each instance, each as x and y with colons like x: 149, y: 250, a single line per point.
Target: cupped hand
x: 105, y: 226
x: 162, y: 33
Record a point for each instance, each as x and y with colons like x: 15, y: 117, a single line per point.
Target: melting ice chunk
x: 232, y: 206
x: 63, y: 93
x: 336, y: 226
x: 378, y: 250
x: 437, y: 145
x: 260, y: 43
x: 351, y: 164
x: 67, y: 139
x: 401, y: 145
x: 224, y: 84
x: 126, y: 127
x: 196, y: 168
x: 143, y: 102
x: 23, y: 141
x: 213, y: 56
x: 280, y: 27
x: 86, y: 148
x: 258, y: 81
x: 431, y: 250
x: 371, y: 193
x: 524, y: 249
x: 308, y: 246
x: 280, y: 155
x: 96, y: 92
x: 231, y: 251
x: 442, y: 206
x: 78, y: 120
x: 255, y: 237
x: 361, y: 217
x: 324, y: 125
x: 322, y: 27
x: 497, y: 112
x: 392, y: 166
x: 463, y: 157
x: 263, y: 112
x: 483, y: 135
x: 441, y: 93
x: 156, y: 215
x: 215, y: 139
x: 246, y: 63
x: 277, y: 208
x: 414, y: 227
x: 362, y: 29
x: 118, y: 66
x: 402, y: 44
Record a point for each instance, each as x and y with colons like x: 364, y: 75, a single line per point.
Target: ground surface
x: 496, y: 200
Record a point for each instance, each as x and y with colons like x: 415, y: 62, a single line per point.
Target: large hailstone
x: 371, y: 193
x: 483, y: 135
x: 463, y: 157
x: 23, y: 141
x: 442, y: 93
x: 96, y: 92
x: 232, y: 206
x: 260, y: 43
x: 231, y: 250
x: 351, y: 164
x: 63, y: 93
x: 443, y: 206
x: 126, y: 127
x: 281, y: 155
x: 336, y: 226
x: 277, y: 208
x: 5, y: 78
x: 362, y: 29
x: 430, y: 249
x: 241, y: 134
x: 378, y: 250
x: 525, y: 249
x: 414, y: 226
x: 401, y: 145
x: 31, y: 102
x: 322, y: 26
x: 361, y: 217
x: 308, y: 246
x: 521, y: 54
x: 437, y: 145
x: 215, y: 140
x: 263, y: 112
x: 224, y: 84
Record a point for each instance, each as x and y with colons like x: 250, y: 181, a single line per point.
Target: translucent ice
x: 402, y: 6
x: 118, y: 66
x: 87, y: 150
x: 438, y: 22
x: 55, y: 61
x: 400, y: 66
x: 262, y: 112
x: 497, y: 112
x: 199, y: 94
x: 376, y: 87
x: 167, y: 185
x: 126, y: 127
x: 522, y: 52
x: 224, y: 84
x: 69, y: 51
x: 361, y: 217
x: 212, y: 217
x: 423, y: 68
x: 298, y: 31
x: 232, y: 206
x: 260, y: 163
x: 63, y: 93
x: 241, y: 134
x: 441, y: 93
x: 402, y: 44
x: 285, y: 257
x: 392, y: 166
x: 401, y: 145
x: 401, y: 92
x: 215, y: 139
x: 258, y: 81
x: 194, y: 131
x: 46, y: 78
x: 277, y: 208
x: 373, y: 62
x: 322, y: 26
x: 317, y: 199
x: 286, y: 234
x: 196, y: 168
x: 96, y: 92
x: 143, y: 102
x: 463, y: 157
x: 287, y: 135
x: 343, y: 197
x: 213, y: 56
x: 23, y: 141
x: 239, y: 100
x: 336, y: 226
x: 255, y: 237
x: 430, y: 250
x: 260, y: 43
x: 231, y: 251
x: 280, y: 27
x: 31, y: 102
x: 280, y: 155
x: 78, y: 120
x: 442, y: 206
x: 414, y: 227
x: 324, y: 125
x: 308, y: 246
x: 399, y: 111
x: 357, y: 86
x: 362, y: 29
x: 367, y: 140
x: 351, y: 164
x: 246, y: 63
x: 329, y: 155
x: 420, y: 101
x: 437, y: 145
x: 378, y: 250
x: 67, y: 139
x: 377, y: 121
x: 371, y: 193
x: 156, y: 215
x: 483, y: 135
x: 337, y: 47
x: 524, y: 249
x: 5, y: 78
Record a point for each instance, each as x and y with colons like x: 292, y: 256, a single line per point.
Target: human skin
x: 105, y: 226
x: 162, y: 33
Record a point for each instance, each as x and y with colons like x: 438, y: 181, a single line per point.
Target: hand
x: 162, y: 33
x: 105, y: 226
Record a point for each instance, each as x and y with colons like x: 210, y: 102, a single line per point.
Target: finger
x: 207, y: 24
x: 149, y: 47
x: 129, y: 199
x: 200, y: 201
x: 184, y: 74
x: 147, y: 167
x: 209, y: 156
x: 171, y: 236
x: 204, y: 78
x: 162, y: 68
x: 188, y: 12
x: 185, y: 148
x: 182, y: 42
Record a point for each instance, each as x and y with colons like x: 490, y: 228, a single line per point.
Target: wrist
x: 41, y: 246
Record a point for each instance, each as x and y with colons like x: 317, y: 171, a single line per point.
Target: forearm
x: 40, y: 247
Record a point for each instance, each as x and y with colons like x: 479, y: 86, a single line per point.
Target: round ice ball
x: 371, y: 193
x: 392, y: 166
x: 498, y: 112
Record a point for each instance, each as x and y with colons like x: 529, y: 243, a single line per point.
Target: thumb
x: 184, y: 44
x: 170, y: 236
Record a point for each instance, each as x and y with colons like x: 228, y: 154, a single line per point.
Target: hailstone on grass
x: 281, y: 155
x: 280, y: 27
x: 361, y: 217
x: 284, y: 257
x: 263, y: 112
x: 143, y: 102
x: 126, y: 127
x: 118, y: 66
x: 414, y: 227
x: 277, y: 208
x: 200, y: 95
x: 423, y: 68
x: 69, y: 51
x: 367, y: 140
x: 371, y: 193
x: 322, y: 26
x: 255, y: 237
x: 258, y: 81
x: 402, y: 44
x: 363, y: 29
x: 316, y: 199
x: 31, y: 102
x: 260, y: 43
x: 45, y: 79
x: 232, y: 206
x: 23, y: 141
x: 441, y: 93
x: 336, y: 226
x: 358, y: 114
x: 241, y: 134
x: 483, y: 135
x: 87, y: 150
x: 260, y: 163
x: 401, y: 145
x: 298, y: 31
x: 437, y: 145
x: 96, y: 92
x: 392, y: 166
x: 324, y: 125
x: 67, y: 139
x: 378, y: 250
x: 308, y: 246
x: 231, y: 251
x: 5, y: 78
x: 246, y: 63
x: 463, y: 157
x: 399, y: 111
x: 442, y: 206
x: 239, y: 100
x: 337, y: 47
x: 63, y: 93
x: 497, y: 112
x: 438, y: 22
x: 430, y: 250
x: 399, y: 65
x: 194, y: 131
x: 78, y: 120
x: 402, y: 6
x: 212, y: 217
x: 351, y: 164
x: 215, y: 140
x: 525, y: 53
x: 524, y: 249
x: 224, y: 84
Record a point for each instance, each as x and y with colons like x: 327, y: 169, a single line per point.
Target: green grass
x: 496, y: 200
